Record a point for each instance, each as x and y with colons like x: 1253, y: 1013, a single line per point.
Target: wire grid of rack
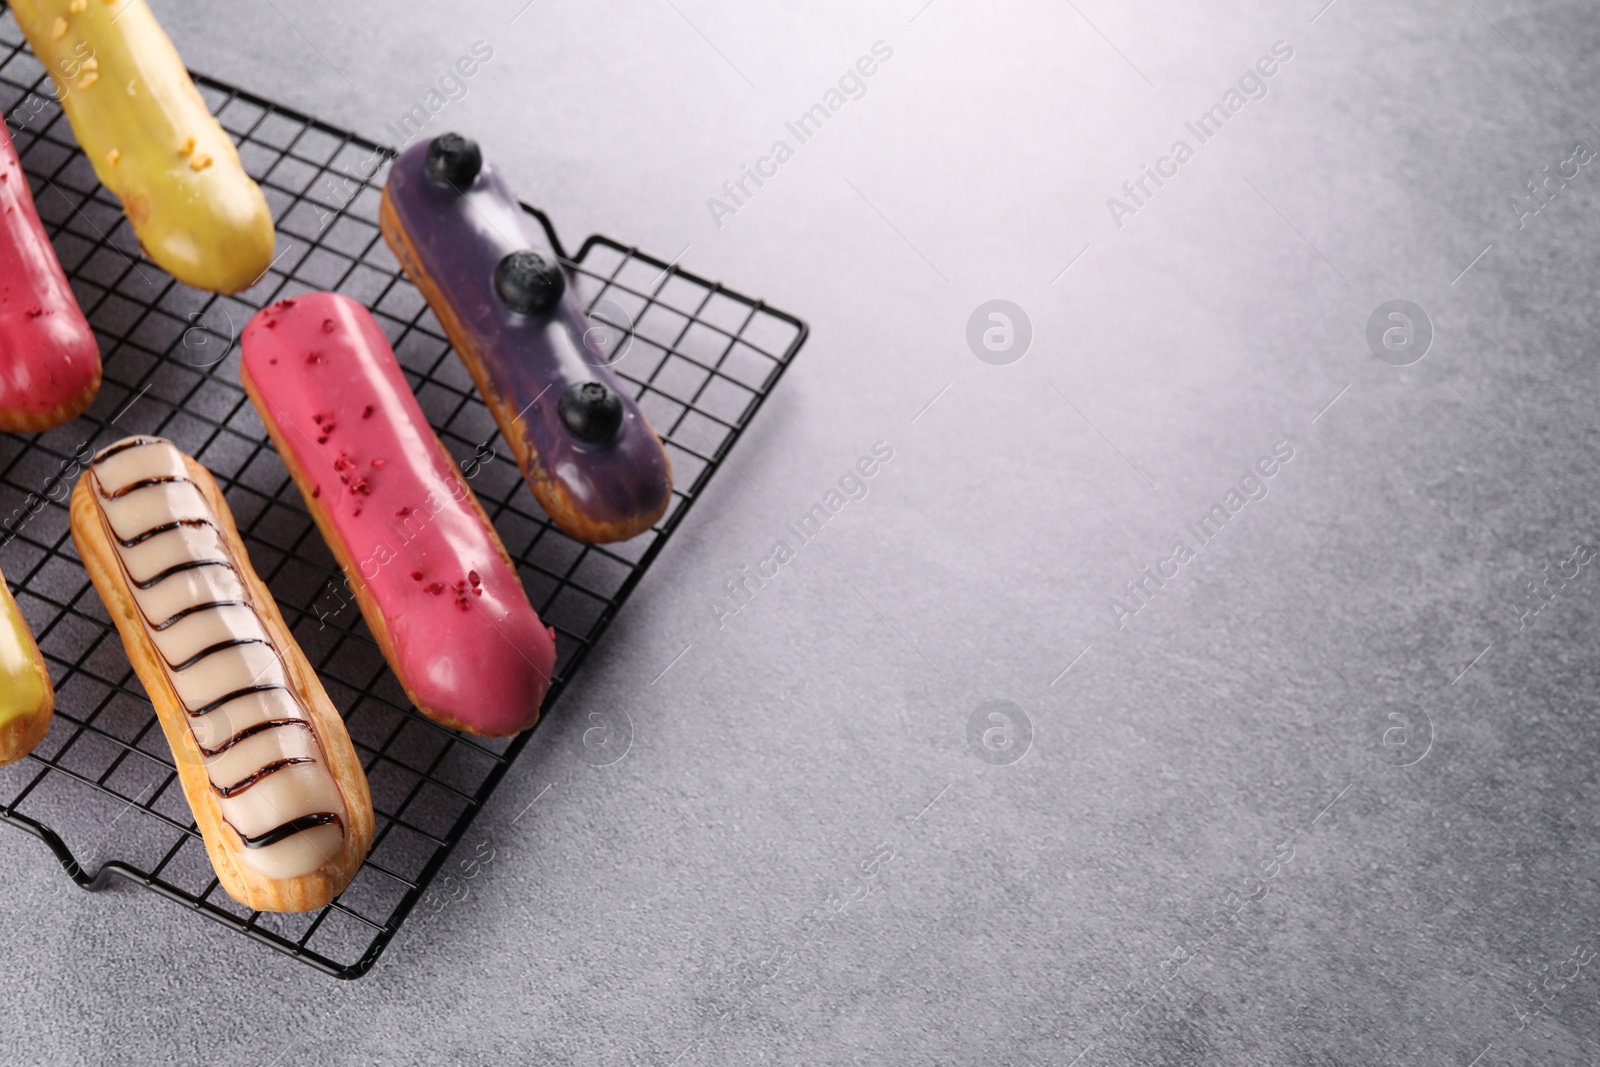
x: 701, y: 358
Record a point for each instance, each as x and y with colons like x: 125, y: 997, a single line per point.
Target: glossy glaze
x: 49, y: 361
x: 151, y: 139
x: 26, y: 696
x: 465, y: 642
x: 261, y: 753
x: 458, y: 238
x: 22, y: 688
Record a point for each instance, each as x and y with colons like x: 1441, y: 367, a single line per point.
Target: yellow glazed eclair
x: 27, y: 698
x: 151, y: 139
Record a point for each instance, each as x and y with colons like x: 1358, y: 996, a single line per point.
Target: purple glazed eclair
x: 487, y: 270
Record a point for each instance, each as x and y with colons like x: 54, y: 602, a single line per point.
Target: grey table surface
x: 1338, y: 723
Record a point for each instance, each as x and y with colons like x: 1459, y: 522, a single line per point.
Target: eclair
x: 27, y: 699
x: 151, y: 139
x: 265, y: 762
x: 49, y: 361
x: 433, y: 581
x: 486, y: 269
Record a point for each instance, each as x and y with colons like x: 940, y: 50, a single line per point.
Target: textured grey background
x: 666, y: 908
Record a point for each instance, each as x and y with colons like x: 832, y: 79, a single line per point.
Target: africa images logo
x: 852, y: 85
x: 1251, y: 488
x: 741, y: 589
x: 999, y: 332
x: 999, y: 732
x: 1399, y: 333
x: 1252, y: 86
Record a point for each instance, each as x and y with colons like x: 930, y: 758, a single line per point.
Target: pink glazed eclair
x: 49, y: 360
x: 431, y: 576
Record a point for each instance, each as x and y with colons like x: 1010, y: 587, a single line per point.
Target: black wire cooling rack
x: 702, y: 359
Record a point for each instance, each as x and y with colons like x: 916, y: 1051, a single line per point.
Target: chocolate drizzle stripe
x: 289, y: 829
x: 146, y: 483
x: 226, y: 791
x: 179, y: 568
x: 249, y: 732
x: 194, y: 608
x: 265, y: 687
x: 220, y: 646
x: 293, y: 826
x: 123, y: 446
x: 166, y: 527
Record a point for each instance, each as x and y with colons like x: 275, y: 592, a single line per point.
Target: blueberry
x: 453, y: 160
x: 528, y: 282
x: 591, y: 411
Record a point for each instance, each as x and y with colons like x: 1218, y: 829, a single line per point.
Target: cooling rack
x: 101, y: 790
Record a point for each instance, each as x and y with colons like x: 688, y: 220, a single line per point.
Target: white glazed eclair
x: 263, y: 756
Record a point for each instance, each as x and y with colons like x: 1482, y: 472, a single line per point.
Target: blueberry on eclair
x: 489, y: 273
